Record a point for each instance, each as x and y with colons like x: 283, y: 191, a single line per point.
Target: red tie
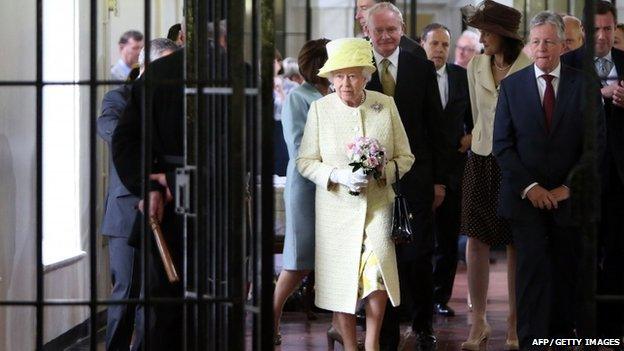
x: 549, y: 100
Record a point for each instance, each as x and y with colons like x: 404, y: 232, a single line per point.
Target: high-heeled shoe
x: 277, y: 339
x: 334, y: 336
x: 473, y: 344
x: 511, y: 344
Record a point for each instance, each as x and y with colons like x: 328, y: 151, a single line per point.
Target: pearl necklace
x: 363, y: 98
x: 500, y: 68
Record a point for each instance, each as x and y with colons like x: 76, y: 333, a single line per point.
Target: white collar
x: 555, y: 72
x: 442, y: 71
x: 607, y: 56
x: 393, y: 58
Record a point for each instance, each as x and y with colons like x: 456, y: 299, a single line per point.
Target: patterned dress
x: 370, y: 273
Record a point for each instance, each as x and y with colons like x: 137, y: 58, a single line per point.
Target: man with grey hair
x: 221, y: 38
x: 466, y: 47
x: 120, y: 215
x: 159, y: 47
x: 538, y: 141
x: 574, y: 36
x: 411, y: 80
x: 407, y: 44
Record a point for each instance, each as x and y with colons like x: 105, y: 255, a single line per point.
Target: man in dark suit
x: 119, y: 216
x: 412, y: 82
x: 165, y: 108
x: 453, y: 86
x: 538, y: 141
x: 406, y: 43
x: 609, y: 64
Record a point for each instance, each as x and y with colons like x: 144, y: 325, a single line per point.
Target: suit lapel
x: 534, y: 97
x: 564, y: 91
x: 452, y: 84
x: 375, y: 82
x: 485, y: 72
x: 618, y: 60
x: 402, y: 66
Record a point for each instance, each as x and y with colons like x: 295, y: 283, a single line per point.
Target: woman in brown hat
x: 502, y: 56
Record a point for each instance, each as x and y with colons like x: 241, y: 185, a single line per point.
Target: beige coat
x: 483, y: 98
x: 341, y: 218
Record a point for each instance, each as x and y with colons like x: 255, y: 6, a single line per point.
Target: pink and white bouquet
x: 367, y: 154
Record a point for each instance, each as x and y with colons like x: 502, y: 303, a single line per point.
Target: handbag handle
x: 396, y: 185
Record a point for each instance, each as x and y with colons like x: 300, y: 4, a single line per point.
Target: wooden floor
x: 299, y: 334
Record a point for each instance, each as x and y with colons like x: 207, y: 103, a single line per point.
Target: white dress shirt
x: 541, y: 87
x: 120, y: 70
x: 443, y: 85
x: 392, y: 67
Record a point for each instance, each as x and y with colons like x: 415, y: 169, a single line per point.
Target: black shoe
x: 425, y: 341
x: 443, y: 310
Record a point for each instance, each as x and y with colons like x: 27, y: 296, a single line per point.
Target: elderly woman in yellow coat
x: 355, y: 256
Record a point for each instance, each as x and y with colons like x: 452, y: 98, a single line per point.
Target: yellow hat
x: 347, y: 53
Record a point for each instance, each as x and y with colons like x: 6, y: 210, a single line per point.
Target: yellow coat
x: 341, y: 218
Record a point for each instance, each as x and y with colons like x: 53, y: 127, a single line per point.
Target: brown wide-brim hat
x: 493, y: 17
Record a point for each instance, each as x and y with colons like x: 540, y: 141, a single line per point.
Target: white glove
x: 355, y: 181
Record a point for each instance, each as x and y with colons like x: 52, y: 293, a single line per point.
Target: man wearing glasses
x: 466, y: 47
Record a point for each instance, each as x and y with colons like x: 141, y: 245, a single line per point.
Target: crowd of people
x: 485, y: 146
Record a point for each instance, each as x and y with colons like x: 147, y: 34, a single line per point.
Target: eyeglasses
x: 465, y: 48
x: 549, y: 43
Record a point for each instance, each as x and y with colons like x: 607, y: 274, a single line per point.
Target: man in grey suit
x: 120, y: 214
x: 119, y: 217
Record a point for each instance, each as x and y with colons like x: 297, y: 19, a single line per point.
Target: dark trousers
x: 125, y: 277
x: 446, y: 229
x: 610, y: 316
x: 548, y: 258
x: 416, y: 282
x: 163, y: 321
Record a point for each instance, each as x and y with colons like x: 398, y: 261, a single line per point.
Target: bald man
x: 573, y: 33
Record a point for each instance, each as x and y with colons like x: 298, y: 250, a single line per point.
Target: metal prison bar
x: 220, y: 150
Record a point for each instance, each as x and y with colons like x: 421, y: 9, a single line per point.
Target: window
x: 61, y: 126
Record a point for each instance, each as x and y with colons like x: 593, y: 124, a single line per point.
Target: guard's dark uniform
x: 165, y: 107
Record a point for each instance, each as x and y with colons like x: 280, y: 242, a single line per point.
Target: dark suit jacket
x: 526, y: 152
x: 418, y: 100
x: 614, y: 115
x: 119, y: 208
x: 459, y: 116
x: 412, y: 47
x: 165, y: 105
x: 164, y: 94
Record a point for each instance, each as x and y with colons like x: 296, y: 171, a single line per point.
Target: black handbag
x: 402, y: 226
